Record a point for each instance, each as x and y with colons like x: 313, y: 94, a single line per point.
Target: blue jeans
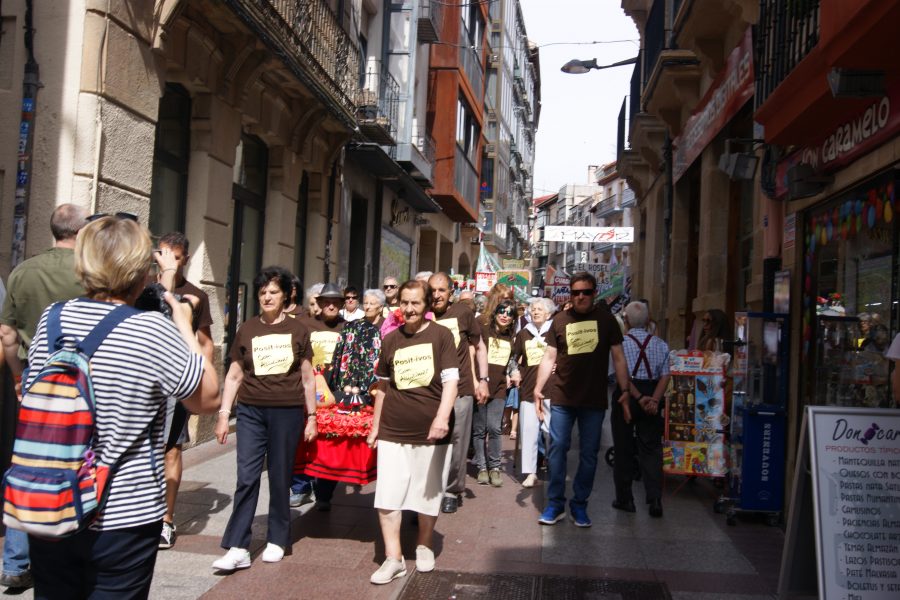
x: 590, y: 423
x: 302, y: 483
x: 15, y: 552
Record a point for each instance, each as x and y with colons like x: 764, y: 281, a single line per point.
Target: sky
x: 579, y: 113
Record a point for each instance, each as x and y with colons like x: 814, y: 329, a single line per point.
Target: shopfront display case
x: 758, y: 409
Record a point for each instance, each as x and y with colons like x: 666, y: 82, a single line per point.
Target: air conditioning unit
x: 494, y: 59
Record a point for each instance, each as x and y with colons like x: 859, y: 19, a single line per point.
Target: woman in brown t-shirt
x: 418, y: 371
x: 497, y: 330
x: 271, y: 377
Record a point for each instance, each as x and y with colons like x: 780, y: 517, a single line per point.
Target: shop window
x: 171, y: 155
x: 849, y: 281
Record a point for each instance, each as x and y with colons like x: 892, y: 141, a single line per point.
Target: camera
x: 153, y: 298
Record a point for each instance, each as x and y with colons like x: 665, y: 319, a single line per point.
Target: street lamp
x: 578, y: 67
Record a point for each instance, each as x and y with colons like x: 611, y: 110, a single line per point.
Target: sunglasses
x: 390, y: 287
x: 509, y: 312
x: 119, y: 215
x: 576, y: 293
x: 351, y: 297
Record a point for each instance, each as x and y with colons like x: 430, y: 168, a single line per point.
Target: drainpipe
x: 669, y: 191
x: 30, y: 85
x: 329, y: 227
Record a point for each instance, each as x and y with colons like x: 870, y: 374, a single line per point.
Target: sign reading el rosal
x: 588, y: 235
x: 725, y: 97
x: 859, y: 132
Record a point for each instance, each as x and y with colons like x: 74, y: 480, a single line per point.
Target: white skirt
x: 411, y: 477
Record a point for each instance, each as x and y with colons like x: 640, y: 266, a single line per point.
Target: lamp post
x: 578, y: 67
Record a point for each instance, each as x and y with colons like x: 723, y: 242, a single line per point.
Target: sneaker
x: 300, y: 498
x: 450, y: 504
x: 23, y: 581
x: 235, y: 558
x: 483, y: 478
x: 389, y: 570
x: 496, y: 480
x: 530, y: 481
x: 323, y: 505
x: 424, y: 559
x: 167, y: 536
x: 579, y: 516
x: 552, y: 515
x: 272, y: 553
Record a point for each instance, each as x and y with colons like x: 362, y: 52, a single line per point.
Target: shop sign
x: 512, y: 264
x: 859, y: 132
x: 561, y: 292
x: 732, y: 88
x: 484, y: 281
x: 514, y: 278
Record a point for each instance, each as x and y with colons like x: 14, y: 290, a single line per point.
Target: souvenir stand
x: 696, y: 416
x: 759, y: 399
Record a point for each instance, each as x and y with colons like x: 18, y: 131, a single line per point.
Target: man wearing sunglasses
x: 580, y: 343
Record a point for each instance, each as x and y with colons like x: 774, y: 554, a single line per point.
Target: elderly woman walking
x: 418, y: 372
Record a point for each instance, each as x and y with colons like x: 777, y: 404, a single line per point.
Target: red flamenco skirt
x: 341, y: 458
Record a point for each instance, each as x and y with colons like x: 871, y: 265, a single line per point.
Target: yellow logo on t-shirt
x: 453, y: 325
x: 534, y: 351
x: 581, y: 338
x: 413, y: 366
x: 323, y: 343
x: 272, y: 354
x: 498, y: 352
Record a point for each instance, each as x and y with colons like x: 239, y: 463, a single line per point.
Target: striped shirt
x: 657, y: 354
x: 139, y: 365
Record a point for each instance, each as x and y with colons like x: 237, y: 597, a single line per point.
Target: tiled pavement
x: 691, y: 550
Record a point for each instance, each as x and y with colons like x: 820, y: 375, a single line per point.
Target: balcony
x: 377, y: 105
x: 311, y: 41
x: 430, y: 21
x: 799, y: 43
x: 418, y: 159
x: 465, y: 178
x: 607, y: 206
x: 471, y: 62
x: 711, y: 29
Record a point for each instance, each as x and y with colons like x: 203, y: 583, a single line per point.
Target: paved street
x: 689, y: 554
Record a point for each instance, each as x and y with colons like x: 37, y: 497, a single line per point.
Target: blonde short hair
x: 112, y: 255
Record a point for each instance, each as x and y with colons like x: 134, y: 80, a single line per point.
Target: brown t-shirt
x: 203, y: 315
x: 499, y: 351
x: 270, y: 356
x: 413, y: 364
x: 582, y: 345
x: 461, y: 322
x: 529, y: 351
x: 323, y: 337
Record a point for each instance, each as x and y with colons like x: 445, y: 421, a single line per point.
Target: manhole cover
x: 453, y: 585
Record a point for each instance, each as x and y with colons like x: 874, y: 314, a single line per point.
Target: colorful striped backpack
x: 56, y: 486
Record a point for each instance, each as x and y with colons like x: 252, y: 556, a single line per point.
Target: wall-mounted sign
x: 728, y: 93
x: 588, y: 235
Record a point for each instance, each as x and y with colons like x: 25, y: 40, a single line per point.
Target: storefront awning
x: 375, y: 160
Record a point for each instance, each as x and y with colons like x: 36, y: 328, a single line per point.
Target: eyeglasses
x: 390, y: 287
x: 351, y: 297
x: 588, y: 292
x: 119, y: 215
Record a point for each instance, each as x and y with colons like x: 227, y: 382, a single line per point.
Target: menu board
x: 855, y: 460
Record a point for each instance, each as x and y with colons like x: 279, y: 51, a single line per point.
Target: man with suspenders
x: 648, y: 364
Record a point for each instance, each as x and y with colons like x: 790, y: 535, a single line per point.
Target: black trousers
x: 264, y: 433
x: 646, y: 444
x: 96, y: 565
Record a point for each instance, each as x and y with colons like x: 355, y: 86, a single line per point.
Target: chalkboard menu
x: 855, y: 465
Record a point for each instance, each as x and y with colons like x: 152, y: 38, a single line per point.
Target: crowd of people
x: 441, y: 370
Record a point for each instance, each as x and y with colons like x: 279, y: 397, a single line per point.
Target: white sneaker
x: 235, y: 558
x: 530, y: 481
x: 424, y: 559
x: 389, y: 570
x: 272, y: 553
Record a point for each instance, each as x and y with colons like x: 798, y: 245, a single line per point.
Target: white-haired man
x: 648, y: 364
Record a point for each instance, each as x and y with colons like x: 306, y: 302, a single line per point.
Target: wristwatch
x: 485, y: 379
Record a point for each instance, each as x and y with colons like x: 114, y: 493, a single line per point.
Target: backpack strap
x: 54, y: 328
x: 102, y: 329
x: 642, y: 357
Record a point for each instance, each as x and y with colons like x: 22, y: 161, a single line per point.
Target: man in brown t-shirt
x: 579, y: 343
x: 178, y: 245
x: 471, y: 351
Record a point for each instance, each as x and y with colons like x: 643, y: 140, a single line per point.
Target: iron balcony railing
x: 654, y: 37
x: 628, y: 198
x: 378, y: 104
x: 607, y: 206
x: 631, y: 105
x: 471, y: 63
x: 787, y: 31
x: 431, y: 15
x: 307, y: 34
x: 466, y: 179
